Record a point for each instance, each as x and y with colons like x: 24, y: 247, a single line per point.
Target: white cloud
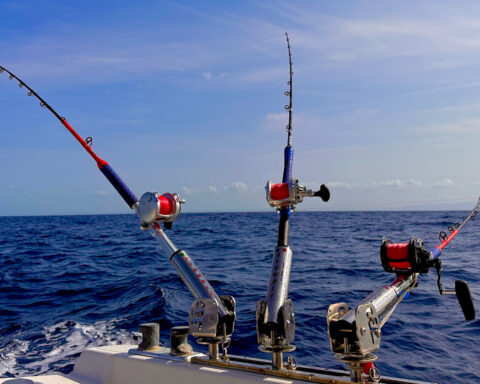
x: 212, y: 189
x: 275, y: 121
x: 212, y: 76
x: 237, y: 187
x: 393, y: 183
x: 188, y: 191
x: 443, y: 183
x: 275, y: 117
x: 102, y: 192
x: 339, y: 185
x: 397, y: 183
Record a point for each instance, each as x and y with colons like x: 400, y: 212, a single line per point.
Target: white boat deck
x: 123, y: 364
x: 114, y: 365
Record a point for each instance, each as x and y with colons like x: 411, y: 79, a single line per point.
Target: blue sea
x: 72, y: 282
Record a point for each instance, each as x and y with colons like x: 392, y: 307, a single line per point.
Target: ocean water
x: 72, y: 282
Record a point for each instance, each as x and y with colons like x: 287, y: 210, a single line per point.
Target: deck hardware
x: 179, y: 345
x: 150, y: 337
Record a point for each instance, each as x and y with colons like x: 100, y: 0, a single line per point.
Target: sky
x: 188, y: 97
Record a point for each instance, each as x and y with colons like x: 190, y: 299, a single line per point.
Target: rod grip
x: 287, y: 166
x: 119, y: 185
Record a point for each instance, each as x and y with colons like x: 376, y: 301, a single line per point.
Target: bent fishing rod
x: 275, y: 317
x: 154, y: 209
x: 355, y: 334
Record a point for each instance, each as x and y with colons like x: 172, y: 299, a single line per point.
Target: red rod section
x: 100, y: 162
x: 448, y: 239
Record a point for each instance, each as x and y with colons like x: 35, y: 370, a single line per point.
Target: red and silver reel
x: 289, y: 194
x: 154, y: 207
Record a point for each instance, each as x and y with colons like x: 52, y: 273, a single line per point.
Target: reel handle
x: 465, y: 300
x: 323, y: 193
x: 461, y: 290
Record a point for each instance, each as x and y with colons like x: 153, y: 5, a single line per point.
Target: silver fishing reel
x: 153, y: 207
x: 291, y: 193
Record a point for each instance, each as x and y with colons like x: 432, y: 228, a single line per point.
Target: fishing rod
x: 274, y: 315
x: 355, y: 334
x: 127, y: 195
x: 154, y: 209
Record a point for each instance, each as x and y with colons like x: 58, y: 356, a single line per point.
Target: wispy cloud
x: 339, y: 185
x: 138, y: 50
x: 188, y: 191
x: 445, y: 183
x: 237, y: 187
x: 397, y: 183
x: 458, y: 126
x: 391, y: 184
x: 438, y: 30
x: 213, y: 76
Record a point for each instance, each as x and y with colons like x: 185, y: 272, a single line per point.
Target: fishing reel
x: 153, y: 207
x: 405, y: 258
x: 291, y: 193
x: 412, y: 257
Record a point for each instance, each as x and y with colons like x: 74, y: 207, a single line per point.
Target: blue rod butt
x: 119, y: 185
x: 287, y: 166
x: 436, y: 252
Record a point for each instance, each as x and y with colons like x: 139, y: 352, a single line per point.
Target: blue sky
x: 187, y: 96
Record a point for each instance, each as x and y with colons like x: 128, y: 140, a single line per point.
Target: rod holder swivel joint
x: 208, y: 326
